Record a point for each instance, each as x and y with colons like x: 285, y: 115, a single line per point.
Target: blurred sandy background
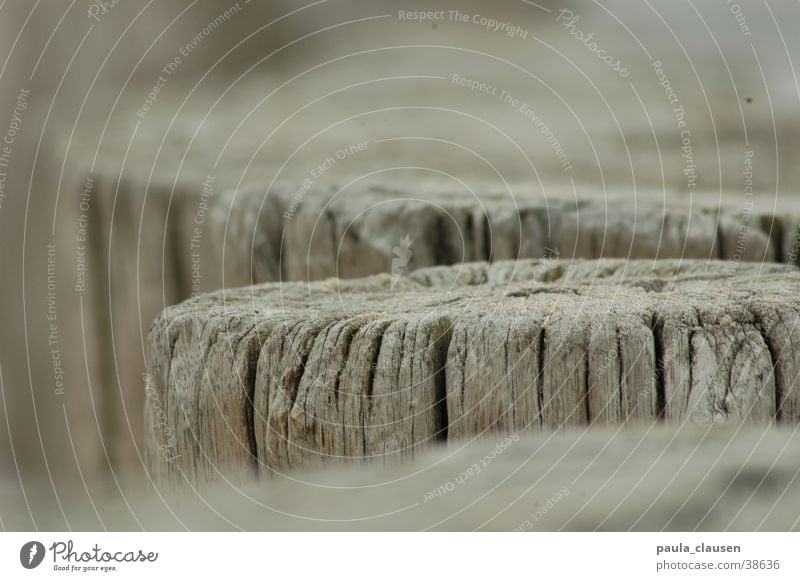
x: 61, y: 54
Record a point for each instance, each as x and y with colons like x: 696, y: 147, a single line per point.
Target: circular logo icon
x: 31, y: 554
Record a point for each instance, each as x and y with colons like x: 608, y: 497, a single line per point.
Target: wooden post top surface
x: 257, y: 379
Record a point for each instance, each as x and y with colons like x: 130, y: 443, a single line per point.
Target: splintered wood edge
x: 260, y: 378
x: 248, y: 237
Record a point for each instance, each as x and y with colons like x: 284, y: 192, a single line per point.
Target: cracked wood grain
x: 149, y: 250
x: 273, y: 376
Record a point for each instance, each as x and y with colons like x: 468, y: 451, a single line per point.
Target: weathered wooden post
x: 259, y: 378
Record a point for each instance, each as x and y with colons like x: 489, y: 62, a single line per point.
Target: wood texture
x: 503, y: 193
x: 262, y: 223
x: 270, y: 376
x: 159, y: 245
x: 353, y: 232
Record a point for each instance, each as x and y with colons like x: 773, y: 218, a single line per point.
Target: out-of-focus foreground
x: 156, y: 151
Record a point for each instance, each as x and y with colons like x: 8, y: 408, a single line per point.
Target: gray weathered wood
x: 350, y: 233
x: 270, y: 376
x: 625, y: 193
x: 148, y: 243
